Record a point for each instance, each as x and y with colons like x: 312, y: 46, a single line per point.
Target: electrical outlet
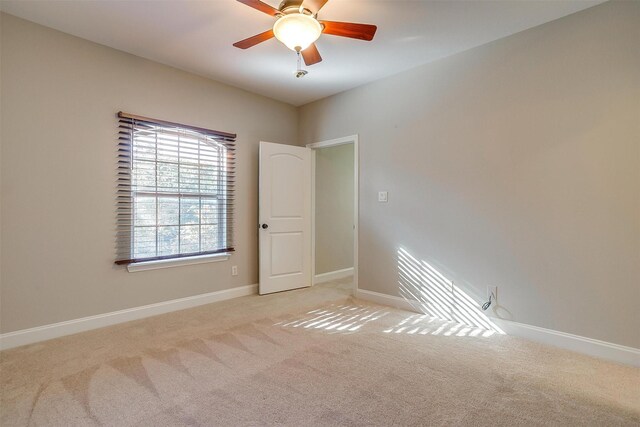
x: 383, y: 196
x: 492, y: 291
x: 234, y: 270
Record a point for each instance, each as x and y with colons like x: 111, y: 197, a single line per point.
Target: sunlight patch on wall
x: 431, y: 293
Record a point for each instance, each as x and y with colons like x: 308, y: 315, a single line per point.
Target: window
x: 175, y: 190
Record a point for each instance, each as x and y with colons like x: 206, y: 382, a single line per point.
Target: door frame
x: 352, y: 139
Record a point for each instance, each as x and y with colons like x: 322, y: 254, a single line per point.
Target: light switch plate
x: 382, y: 196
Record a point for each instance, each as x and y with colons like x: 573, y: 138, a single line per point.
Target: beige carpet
x: 304, y: 358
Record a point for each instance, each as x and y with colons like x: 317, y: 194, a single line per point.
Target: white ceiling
x: 197, y: 36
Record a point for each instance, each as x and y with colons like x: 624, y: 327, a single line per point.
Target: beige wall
x: 514, y: 164
x: 1, y: 97
x: 334, y: 208
x: 59, y: 99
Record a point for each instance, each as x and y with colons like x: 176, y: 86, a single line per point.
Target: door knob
x: 265, y: 226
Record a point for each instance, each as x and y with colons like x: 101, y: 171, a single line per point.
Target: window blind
x: 174, y: 191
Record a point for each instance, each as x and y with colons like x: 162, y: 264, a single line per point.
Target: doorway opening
x: 334, y: 211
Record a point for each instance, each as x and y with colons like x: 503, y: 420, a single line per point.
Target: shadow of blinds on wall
x: 175, y: 190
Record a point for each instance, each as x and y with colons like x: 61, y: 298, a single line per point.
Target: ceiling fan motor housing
x: 288, y: 6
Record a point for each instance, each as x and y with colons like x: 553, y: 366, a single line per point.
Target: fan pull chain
x: 299, y: 71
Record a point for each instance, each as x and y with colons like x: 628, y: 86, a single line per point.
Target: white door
x: 285, y: 217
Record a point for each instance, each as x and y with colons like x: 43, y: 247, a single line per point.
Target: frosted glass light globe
x: 297, y: 31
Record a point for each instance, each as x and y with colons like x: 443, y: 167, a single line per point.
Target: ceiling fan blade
x: 314, y: 5
x: 252, y: 41
x: 262, y: 7
x: 311, y: 55
x: 349, y: 29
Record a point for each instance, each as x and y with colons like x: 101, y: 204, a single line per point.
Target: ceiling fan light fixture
x: 297, y: 31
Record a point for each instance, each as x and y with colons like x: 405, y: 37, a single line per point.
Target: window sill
x: 176, y: 262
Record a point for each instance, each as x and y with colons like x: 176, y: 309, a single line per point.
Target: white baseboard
x: 589, y: 346
x: 592, y: 347
x: 333, y: 275
x: 55, y: 330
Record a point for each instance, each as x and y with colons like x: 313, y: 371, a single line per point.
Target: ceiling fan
x: 297, y: 27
